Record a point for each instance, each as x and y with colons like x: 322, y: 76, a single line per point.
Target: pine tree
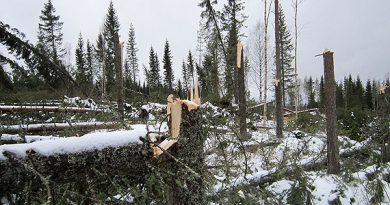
x: 168, y: 72
x: 286, y: 57
x: 180, y: 89
x: 111, y: 27
x: 50, y: 41
x: 131, y: 54
x: 81, y: 76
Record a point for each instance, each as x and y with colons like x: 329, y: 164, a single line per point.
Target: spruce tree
x: 191, y: 69
x: 368, y: 95
x: 49, y: 32
x: 322, y: 94
x: 81, y: 77
x: 311, y: 101
x: 131, y: 55
x: 89, y: 63
x: 233, y: 19
x: 168, y: 72
x: 100, y: 55
x: 186, y: 77
x: 153, y: 75
x: 50, y: 41
x: 286, y: 56
x: 111, y: 27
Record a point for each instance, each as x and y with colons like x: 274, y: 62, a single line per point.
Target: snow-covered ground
x: 238, y: 164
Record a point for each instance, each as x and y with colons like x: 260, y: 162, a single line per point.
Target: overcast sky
x: 358, y: 31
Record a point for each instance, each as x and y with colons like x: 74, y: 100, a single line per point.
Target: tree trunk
x: 278, y: 89
x: 188, y: 187
x: 266, y: 17
x: 119, y: 76
x: 241, y: 87
x: 330, y: 101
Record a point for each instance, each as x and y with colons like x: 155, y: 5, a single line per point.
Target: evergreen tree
x: 131, y: 54
x: 322, y: 94
x: 100, y: 54
x: 191, y: 69
x: 339, y: 96
x: 89, y: 63
x: 286, y: 56
x: 153, y: 75
x: 233, y: 20
x: 359, y: 94
x: 186, y: 77
x: 180, y: 90
x: 111, y: 28
x: 49, y: 32
x: 311, y: 101
x: 50, y: 41
x: 168, y: 72
x: 368, y: 96
x: 81, y: 71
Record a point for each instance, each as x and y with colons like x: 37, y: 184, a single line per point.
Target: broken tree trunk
x: 331, y: 117
x: 119, y: 76
x: 278, y: 87
x: 241, y: 88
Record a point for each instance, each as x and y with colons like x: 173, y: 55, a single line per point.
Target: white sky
x: 358, y: 31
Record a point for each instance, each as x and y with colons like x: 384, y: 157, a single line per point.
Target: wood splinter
x: 174, y: 108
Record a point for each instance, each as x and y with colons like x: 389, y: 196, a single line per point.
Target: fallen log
x: 56, y: 127
x: 56, y: 109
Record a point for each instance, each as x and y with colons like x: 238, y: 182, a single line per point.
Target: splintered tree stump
x: 188, y: 187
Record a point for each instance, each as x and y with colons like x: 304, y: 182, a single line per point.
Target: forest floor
x: 260, y: 170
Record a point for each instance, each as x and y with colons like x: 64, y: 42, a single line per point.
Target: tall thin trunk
x: 266, y: 17
x: 119, y: 73
x: 296, y: 56
x: 278, y: 88
x: 241, y: 86
x: 330, y: 99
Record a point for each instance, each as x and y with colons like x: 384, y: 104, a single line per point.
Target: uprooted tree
x: 167, y: 171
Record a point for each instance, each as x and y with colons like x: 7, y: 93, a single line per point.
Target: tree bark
x: 241, y: 88
x: 278, y: 88
x: 330, y: 102
x: 188, y: 187
x: 119, y: 76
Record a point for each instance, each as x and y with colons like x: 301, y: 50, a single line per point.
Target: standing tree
x: 131, y: 54
x: 81, y: 71
x: 153, y: 74
x: 286, y: 57
x: 191, y: 68
x: 322, y: 94
x: 111, y: 27
x: 100, y: 53
x: 168, y: 72
x: 278, y: 88
x: 368, y: 95
x: 311, y: 97
x: 89, y: 64
x: 186, y: 77
x: 266, y: 20
x: 233, y: 19
x: 50, y: 39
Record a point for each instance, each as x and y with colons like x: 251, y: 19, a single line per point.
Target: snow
x: 91, y: 141
x: 29, y: 138
x: 25, y: 126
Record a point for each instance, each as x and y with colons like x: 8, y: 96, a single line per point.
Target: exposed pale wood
x: 174, y: 111
x: 239, y: 54
x: 165, y: 145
